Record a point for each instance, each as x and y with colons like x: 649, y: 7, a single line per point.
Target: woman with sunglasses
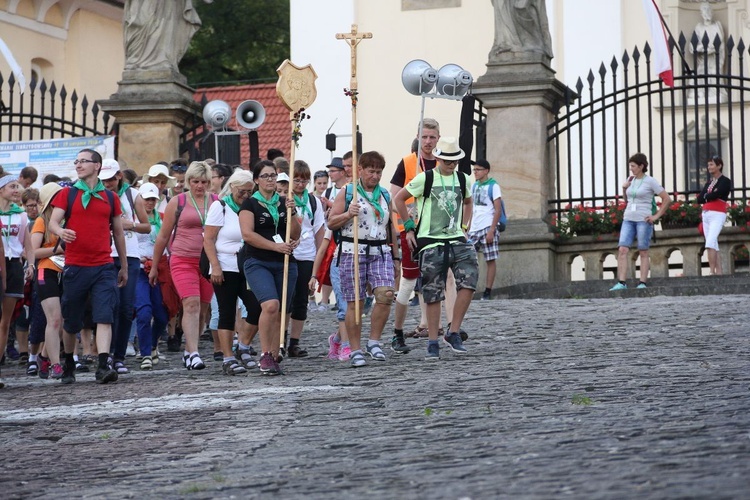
x: 182, y: 230
x: 263, y: 222
x: 222, y: 242
x: 713, y: 197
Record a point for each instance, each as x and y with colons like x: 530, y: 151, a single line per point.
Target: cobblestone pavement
x: 606, y: 398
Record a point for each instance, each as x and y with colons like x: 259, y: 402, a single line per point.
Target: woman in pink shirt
x: 182, y: 231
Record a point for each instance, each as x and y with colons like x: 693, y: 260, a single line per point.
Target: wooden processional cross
x: 352, y: 39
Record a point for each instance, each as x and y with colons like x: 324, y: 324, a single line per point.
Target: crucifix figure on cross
x: 352, y: 39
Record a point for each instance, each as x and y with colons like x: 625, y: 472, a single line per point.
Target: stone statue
x: 705, y: 61
x: 521, y: 26
x: 157, y: 33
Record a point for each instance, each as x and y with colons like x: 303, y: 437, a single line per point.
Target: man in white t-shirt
x: 487, y: 211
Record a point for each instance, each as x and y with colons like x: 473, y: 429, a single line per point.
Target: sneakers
x: 376, y: 352
x: 147, y: 363
x: 642, y: 285
x: 130, y: 351
x: 345, y: 353
x: 55, y: 371
x: 486, y: 296
x: 232, y: 367
x: 194, y: 362
x: 398, y: 345
x: 333, y: 347
x: 618, y: 286
x: 120, y: 368
x: 44, y: 367
x: 68, y: 374
x: 32, y: 368
x: 357, y: 359
x: 268, y: 365
x: 105, y: 375
x: 414, y: 301
x: 295, y: 351
x: 245, y: 358
x: 433, y: 351
x: 455, y: 343
x: 12, y: 352
x: 173, y: 344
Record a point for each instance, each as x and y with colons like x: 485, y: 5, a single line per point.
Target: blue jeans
x: 630, y: 229
x: 125, y: 310
x: 336, y: 285
x: 149, y: 305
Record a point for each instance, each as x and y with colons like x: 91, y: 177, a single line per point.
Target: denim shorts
x: 643, y: 229
x: 266, y: 278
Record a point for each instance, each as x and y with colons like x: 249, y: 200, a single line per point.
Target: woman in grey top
x: 639, y: 218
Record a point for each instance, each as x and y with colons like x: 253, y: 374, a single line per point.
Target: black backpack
x: 429, y: 178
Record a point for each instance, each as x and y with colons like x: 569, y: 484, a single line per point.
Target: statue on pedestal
x: 705, y: 61
x: 157, y: 33
x: 521, y: 27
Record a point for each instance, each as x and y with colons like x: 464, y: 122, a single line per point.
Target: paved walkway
x: 606, y: 398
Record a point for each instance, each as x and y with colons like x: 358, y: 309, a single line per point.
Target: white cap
x: 148, y: 190
x: 109, y: 168
x: 156, y: 171
x: 282, y: 177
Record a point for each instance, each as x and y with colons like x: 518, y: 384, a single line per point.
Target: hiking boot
x: 68, y: 374
x: 375, y: 352
x: 44, y: 367
x: 454, y: 342
x: 105, y: 374
x: 433, y: 351
x: 333, y: 347
x: 357, y: 359
x: 398, y: 345
x: 232, y: 367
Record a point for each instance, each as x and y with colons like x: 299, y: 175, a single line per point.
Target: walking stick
x: 296, y: 90
x: 352, y: 39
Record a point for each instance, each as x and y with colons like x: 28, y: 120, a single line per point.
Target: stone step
x: 736, y: 284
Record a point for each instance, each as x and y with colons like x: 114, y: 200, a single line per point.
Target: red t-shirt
x: 92, y: 246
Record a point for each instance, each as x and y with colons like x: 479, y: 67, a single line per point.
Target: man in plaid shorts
x: 371, y: 205
x: 483, y: 231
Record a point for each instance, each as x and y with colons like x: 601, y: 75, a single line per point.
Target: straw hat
x: 447, y: 149
x: 46, y: 194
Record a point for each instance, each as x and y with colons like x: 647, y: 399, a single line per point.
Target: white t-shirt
x: 229, y: 240
x: 14, y: 234
x: 306, y: 250
x: 131, y: 240
x: 484, y: 204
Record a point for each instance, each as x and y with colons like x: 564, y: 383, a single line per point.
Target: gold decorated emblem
x: 296, y: 86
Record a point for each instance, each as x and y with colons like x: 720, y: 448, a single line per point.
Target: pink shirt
x: 188, y: 241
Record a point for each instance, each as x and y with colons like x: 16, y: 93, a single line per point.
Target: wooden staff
x: 352, y: 39
x: 296, y: 90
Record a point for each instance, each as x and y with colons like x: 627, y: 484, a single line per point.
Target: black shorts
x: 15, y: 279
x: 48, y: 284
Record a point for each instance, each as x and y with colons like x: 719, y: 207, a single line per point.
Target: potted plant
x: 738, y: 214
x: 681, y: 213
x: 580, y: 220
x: 614, y: 213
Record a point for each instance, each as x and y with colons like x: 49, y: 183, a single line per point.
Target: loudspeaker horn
x: 251, y: 114
x: 217, y: 113
x: 453, y: 80
x: 419, y: 77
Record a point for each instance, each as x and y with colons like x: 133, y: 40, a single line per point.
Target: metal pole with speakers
x: 449, y: 82
x: 250, y: 115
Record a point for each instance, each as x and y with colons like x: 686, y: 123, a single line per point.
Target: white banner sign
x: 52, y: 156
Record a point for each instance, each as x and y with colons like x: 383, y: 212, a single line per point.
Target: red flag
x: 661, y: 60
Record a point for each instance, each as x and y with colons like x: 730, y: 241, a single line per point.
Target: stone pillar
x: 520, y: 93
x: 151, y: 108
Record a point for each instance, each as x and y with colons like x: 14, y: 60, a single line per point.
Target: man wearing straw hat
x: 444, y: 205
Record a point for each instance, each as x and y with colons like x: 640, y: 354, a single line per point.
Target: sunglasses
x: 179, y: 168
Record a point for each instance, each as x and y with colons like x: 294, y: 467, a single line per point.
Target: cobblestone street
x: 605, y: 398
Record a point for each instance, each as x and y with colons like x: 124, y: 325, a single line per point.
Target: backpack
x: 336, y: 235
x: 502, y: 222
x: 429, y: 178
x: 204, y: 265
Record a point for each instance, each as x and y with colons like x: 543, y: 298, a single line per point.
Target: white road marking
x: 175, y: 402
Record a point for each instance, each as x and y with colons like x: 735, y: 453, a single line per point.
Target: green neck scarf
x: 89, y: 192
x: 272, y: 205
x: 374, y: 200
x: 12, y: 210
x: 155, y: 220
x: 302, y: 202
x: 232, y: 204
x: 123, y: 189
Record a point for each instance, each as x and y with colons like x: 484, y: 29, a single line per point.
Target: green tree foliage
x: 240, y: 41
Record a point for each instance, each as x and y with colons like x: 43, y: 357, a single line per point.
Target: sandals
x: 419, y: 333
x: 232, y: 367
x: 194, y: 362
x: 147, y: 363
x: 245, y: 358
x: 32, y: 368
x: 295, y: 351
